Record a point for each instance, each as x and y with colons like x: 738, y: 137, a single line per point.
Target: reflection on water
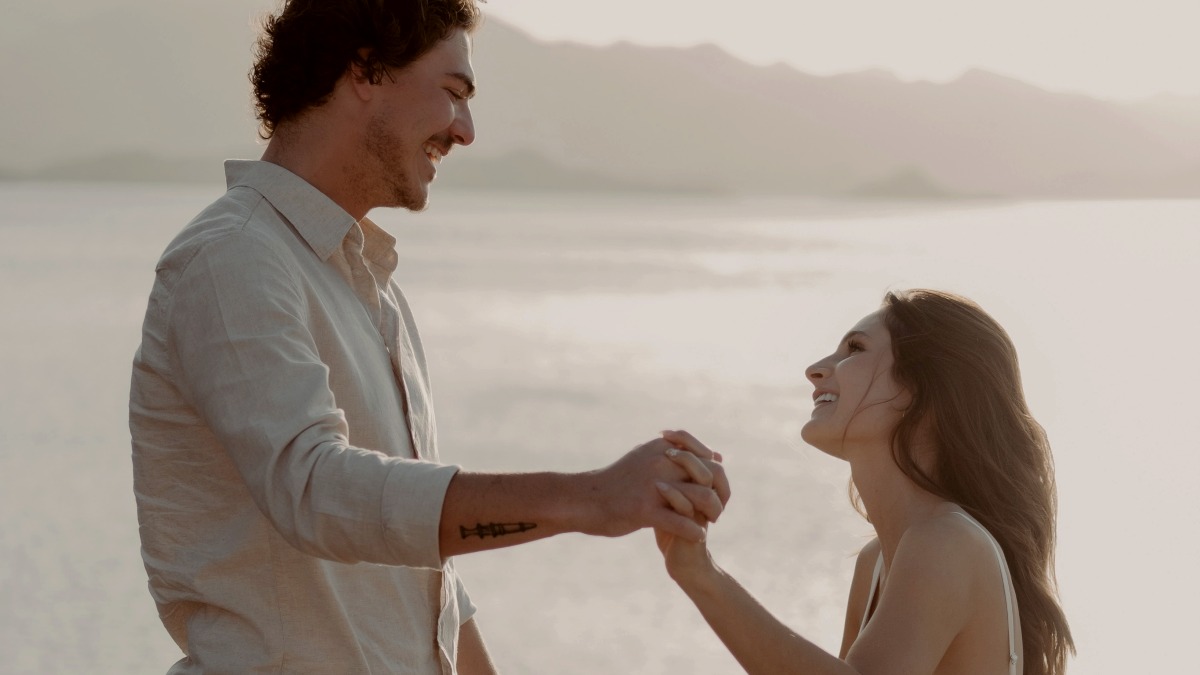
x: 563, y: 330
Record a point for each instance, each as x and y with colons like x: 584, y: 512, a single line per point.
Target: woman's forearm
x: 760, y: 642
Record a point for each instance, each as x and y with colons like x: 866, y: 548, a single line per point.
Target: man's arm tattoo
x: 494, y: 529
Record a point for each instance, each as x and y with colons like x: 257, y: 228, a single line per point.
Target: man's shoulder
x: 241, y: 222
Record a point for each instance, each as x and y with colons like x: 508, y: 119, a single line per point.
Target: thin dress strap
x: 874, y: 589
x: 1008, y: 593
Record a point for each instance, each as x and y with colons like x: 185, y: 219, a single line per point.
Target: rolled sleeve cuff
x: 412, y: 511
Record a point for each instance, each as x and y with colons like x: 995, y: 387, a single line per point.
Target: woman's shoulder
x: 868, y: 555
x: 937, y: 575
x: 949, y: 544
x: 950, y: 532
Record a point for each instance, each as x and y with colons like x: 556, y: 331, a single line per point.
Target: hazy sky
x: 1117, y: 49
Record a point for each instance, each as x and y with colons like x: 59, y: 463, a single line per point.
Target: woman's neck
x: 892, y: 500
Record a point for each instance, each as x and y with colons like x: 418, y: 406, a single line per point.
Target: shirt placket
x: 386, y: 316
x: 403, y: 361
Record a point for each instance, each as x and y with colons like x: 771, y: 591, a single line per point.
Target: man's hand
x: 649, y: 488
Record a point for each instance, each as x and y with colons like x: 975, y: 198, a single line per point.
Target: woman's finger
x: 686, y: 441
x: 704, y: 501
x: 673, y: 524
x: 709, y: 473
x: 720, y: 481
x: 696, y: 469
x: 676, y: 499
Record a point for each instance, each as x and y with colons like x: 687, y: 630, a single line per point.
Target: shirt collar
x: 379, y: 247
x: 317, y: 218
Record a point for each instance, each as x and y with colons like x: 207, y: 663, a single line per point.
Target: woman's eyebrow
x: 854, y: 334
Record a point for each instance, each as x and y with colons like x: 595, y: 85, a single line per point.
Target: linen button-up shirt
x: 284, y: 452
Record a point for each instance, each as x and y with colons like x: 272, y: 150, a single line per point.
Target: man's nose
x: 463, y: 129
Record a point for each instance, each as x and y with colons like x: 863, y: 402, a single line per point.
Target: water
x: 563, y: 330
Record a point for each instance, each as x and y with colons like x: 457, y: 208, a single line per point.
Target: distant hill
x: 908, y: 183
x: 523, y: 169
x: 699, y: 114
x: 158, y: 91
x: 133, y: 167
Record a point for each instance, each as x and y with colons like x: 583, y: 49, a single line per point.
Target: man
x: 294, y: 515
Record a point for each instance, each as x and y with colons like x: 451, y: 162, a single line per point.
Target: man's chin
x: 416, y: 207
x: 415, y: 200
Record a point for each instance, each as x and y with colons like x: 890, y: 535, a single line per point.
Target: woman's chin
x: 813, y: 437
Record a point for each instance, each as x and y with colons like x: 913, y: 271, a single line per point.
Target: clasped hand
x: 664, y: 484
x: 684, y: 556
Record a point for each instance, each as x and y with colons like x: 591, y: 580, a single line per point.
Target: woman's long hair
x: 991, y: 457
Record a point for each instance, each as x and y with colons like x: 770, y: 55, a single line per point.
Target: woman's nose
x: 816, y: 372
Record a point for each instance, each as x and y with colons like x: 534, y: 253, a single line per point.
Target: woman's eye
x: 854, y: 346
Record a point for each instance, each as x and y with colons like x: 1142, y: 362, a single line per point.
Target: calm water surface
x: 563, y: 330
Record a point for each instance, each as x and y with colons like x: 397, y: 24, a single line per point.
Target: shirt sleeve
x: 249, y: 365
x: 466, y: 608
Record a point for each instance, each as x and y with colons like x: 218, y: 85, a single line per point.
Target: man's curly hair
x: 306, y: 47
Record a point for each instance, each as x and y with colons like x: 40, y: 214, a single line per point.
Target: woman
x: 923, y: 398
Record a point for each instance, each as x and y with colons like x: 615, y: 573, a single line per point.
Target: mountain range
x: 158, y: 91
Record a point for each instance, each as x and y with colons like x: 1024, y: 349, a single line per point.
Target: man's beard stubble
x: 395, y: 182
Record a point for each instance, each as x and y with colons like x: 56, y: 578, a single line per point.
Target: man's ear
x: 356, y: 76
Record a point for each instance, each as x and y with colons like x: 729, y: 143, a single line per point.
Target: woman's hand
x: 689, y: 562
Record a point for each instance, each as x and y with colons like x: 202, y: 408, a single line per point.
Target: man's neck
x: 323, y: 161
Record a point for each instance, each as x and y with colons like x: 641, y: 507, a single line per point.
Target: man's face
x: 422, y: 113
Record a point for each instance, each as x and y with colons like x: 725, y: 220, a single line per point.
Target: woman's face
x: 856, y: 402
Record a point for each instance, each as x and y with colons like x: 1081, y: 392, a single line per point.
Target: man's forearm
x: 487, y: 511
